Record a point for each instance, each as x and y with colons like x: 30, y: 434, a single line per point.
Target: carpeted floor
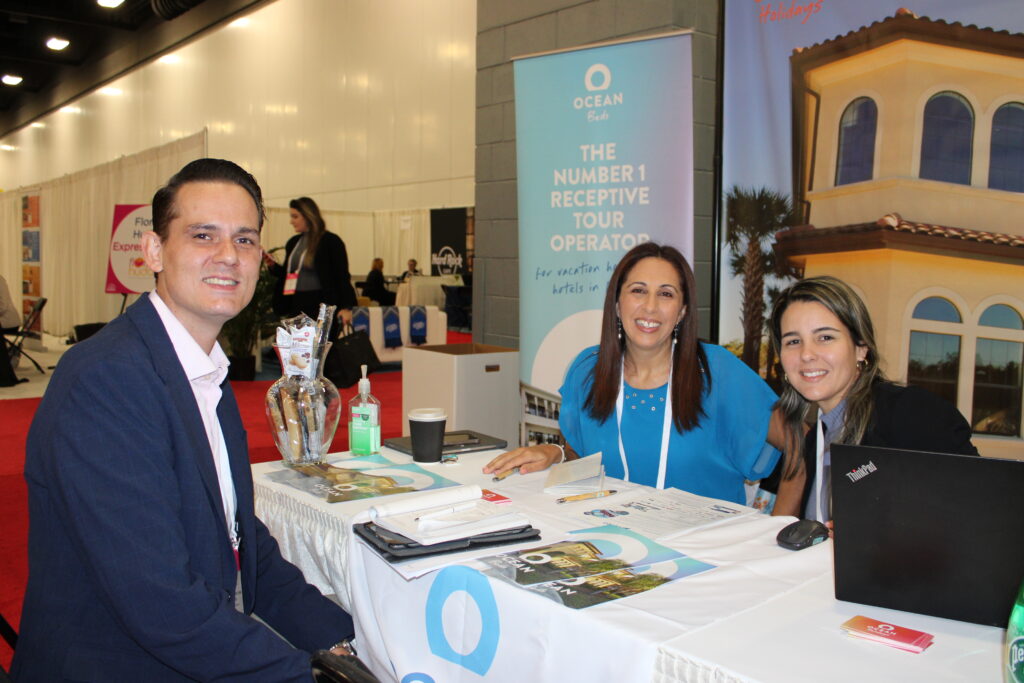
x: 16, y: 416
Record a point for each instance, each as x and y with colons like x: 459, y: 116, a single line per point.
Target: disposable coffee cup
x: 426, y: 427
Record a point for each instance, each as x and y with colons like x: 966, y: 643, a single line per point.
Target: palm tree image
x: 752, y: 217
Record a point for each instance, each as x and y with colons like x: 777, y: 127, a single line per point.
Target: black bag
x: 349, y: 351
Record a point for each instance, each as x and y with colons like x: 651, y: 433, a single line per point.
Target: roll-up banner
x: 127, y: 272
x: 604, y: 139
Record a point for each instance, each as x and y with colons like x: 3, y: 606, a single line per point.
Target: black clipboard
x: 397, y: 548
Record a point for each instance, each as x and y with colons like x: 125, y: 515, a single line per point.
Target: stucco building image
x: 909, y: 170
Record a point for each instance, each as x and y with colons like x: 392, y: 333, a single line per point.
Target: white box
x: 476, y: 384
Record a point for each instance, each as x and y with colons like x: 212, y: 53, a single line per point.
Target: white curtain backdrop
x: 76, y: 214
x: 10, y: 243
x: 401, y: 235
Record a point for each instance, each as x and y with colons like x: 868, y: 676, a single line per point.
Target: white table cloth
x: 763, y: 614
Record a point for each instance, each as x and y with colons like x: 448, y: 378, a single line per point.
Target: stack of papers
x: 572, y: 477
x: 880, y: 632
x: 659, y: 513
x: 446, y: 515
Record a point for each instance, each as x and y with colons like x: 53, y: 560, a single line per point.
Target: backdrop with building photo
x: 885, y: 147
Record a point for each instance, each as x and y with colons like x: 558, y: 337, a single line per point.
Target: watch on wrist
x: 345, y: 645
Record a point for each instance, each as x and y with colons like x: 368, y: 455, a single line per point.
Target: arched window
x: 937, y: 308
x: 1006, y: 165
x: 935, y: 357
x: 1001, y: 315
x: 946, y: 143
x: 998, y: 379
x: 857, y: 141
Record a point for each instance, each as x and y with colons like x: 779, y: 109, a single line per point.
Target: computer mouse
x: 802, y: 534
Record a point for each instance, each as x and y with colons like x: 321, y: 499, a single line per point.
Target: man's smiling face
x: 210, y: 261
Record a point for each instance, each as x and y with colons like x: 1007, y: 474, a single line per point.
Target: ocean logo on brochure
x: 862, y: 471
x: 597, y: 80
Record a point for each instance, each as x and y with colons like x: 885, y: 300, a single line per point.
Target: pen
x: 504, y: 474
x: 451, y: 509
x: 587, y: 496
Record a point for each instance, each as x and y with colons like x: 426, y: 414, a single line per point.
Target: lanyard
x: 294, y: 267
x: 819, y: 504
x: 666, y: 427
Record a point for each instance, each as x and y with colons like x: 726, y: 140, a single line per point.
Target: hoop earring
x: 862, y: 364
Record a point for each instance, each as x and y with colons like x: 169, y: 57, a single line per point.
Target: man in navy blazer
x: 140, y: 492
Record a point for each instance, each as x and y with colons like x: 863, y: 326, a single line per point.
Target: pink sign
x: 127, y: 272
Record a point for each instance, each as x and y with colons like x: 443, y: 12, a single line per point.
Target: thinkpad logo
x: 861, y: 472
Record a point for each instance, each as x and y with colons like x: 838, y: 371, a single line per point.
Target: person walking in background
x: 374, y: 287
x: 315, y: 269
x: 146, y: 559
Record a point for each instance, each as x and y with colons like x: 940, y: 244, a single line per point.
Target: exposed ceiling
x: 26, y: 25
x: 104, y: 44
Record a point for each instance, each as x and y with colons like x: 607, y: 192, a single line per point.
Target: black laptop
x: 930, y: 533
x: 461, y: 441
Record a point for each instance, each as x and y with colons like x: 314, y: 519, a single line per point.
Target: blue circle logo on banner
x: 450, y: 580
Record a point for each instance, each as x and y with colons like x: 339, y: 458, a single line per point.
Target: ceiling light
x: 8, y: 148
x: 109, y: 4
x: 71, y: 109
x: 56, y: 43
x: 10, y: 79
x: 169, y: 59
x: 37, y: 124
x: 110, y: 91
x: 241, y: 22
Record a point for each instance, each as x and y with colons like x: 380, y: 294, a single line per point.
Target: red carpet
x: 16, y: 416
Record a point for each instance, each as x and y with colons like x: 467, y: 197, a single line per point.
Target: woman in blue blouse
x: 663, y: 408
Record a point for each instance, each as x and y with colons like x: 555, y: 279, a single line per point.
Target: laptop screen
x: 931, y: 533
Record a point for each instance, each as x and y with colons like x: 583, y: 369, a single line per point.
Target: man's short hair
x: 202, y: 171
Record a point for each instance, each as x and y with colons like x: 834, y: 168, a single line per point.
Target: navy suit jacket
x: 131, y: 574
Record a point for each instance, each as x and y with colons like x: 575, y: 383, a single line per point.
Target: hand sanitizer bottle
x: 364, y: 421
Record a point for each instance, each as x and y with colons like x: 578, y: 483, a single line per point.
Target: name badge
x: 290, y: 281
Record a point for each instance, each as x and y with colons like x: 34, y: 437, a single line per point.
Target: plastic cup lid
x: 427, y: 414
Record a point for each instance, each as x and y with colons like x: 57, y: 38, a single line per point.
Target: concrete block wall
x: 509, y: 29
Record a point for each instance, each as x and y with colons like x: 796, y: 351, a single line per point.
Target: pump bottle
x: 364, y: 420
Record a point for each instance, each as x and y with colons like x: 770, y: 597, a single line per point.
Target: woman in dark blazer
x: 836, y: 393
x: 315, y: 268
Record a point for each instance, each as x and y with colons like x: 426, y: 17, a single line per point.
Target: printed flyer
x: 359, y: 478
x: 622, y: 583
x: 591, y: 552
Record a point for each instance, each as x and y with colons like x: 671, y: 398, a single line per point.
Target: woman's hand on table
x: 527, y: 459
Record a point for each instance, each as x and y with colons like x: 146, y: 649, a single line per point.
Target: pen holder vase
x: 303, y: 411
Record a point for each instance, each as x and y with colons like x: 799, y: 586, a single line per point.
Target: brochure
x: 621, y: 583
x: 590, y: 552
x: 346, y: 480
x: 448, y: 515
x: 659, y: 514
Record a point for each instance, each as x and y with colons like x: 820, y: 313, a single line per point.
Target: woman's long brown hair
x: 689, y: 363
x: 308, y: 209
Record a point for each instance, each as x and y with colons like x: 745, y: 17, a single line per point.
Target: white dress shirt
x: 205, y: 374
